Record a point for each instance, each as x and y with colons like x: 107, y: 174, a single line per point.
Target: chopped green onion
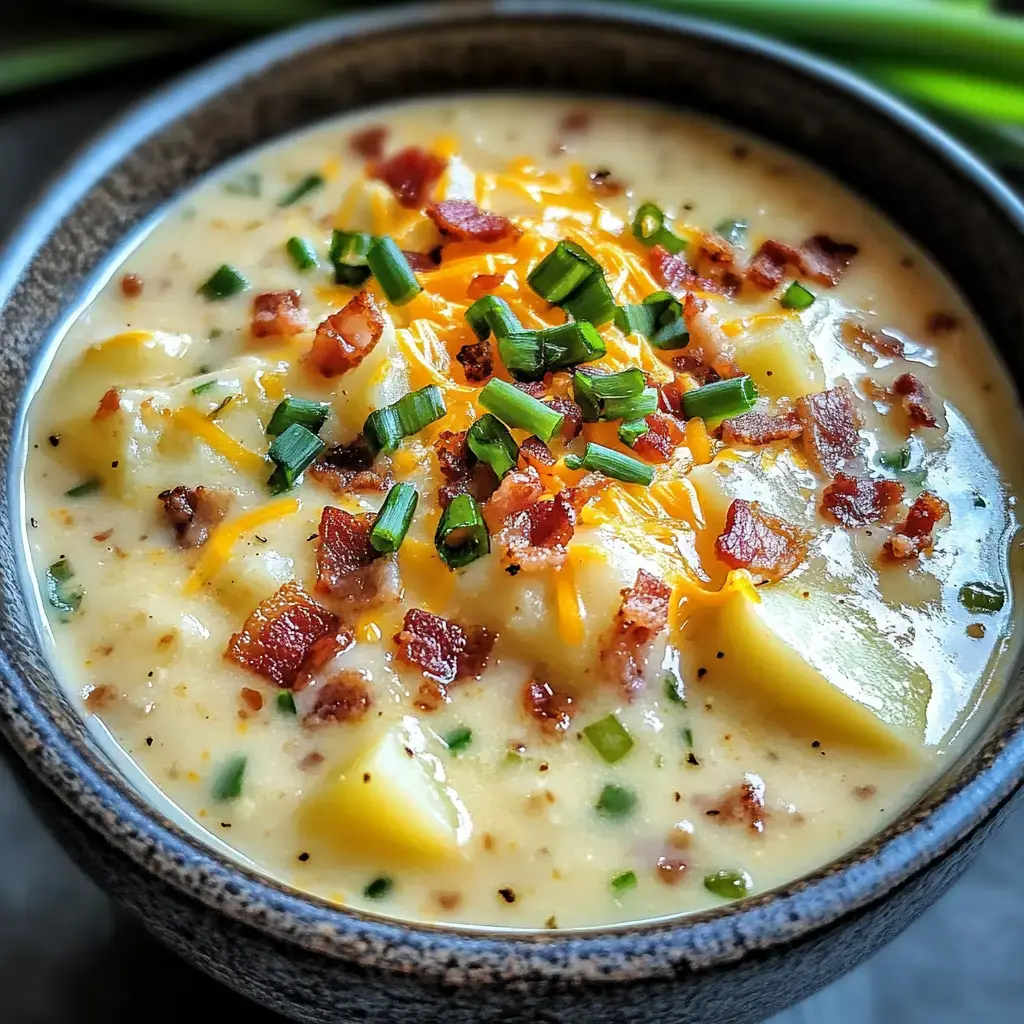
x: 379, y: 888
x: 247, y: 184
x: 636, y: 319
x: 624, y: 882
x: 458, y: 739
x: 62, y: 597
x: 733, y: 231
x: 85, y: 488
x: 897, y: 460
x: 982, y: 597
x: 224, y: 282
x: 207, y: 385
x: 730, y: 884
x: 302, y: 188
x: 392, y: 270
x: 348, y: 257
x: 630, y: 431
x: 286, y: 702
x: 462, y: 535
x: 608, y: 736
x: 659, y: 318
x: 796, y: 296
x: 564, y: 269
x: 489, y: 440
x: 518, y: 409
x: 227, y: 783
x: 615, y: 801
x: 674, y: 689
x: 523, y: 354
x: 393, y: 519
x: 634, y: 408
x: 592, y: 392
x: 294, y: 452
x: 312, y: 415
x: 721, y: 399
x: 386, y: 427
x: 302, y: 253
x: 598, y: 459
x: 649, y: 229
x: 687, y: 735
x: 570, y: 344
x: 592, y: 302
x: 491, y: 313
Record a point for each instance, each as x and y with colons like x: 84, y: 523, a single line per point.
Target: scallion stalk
x: 982, y: 597
x: 609, y: 737
x: 635, y: 407
x: 489, y: 440
x: 565, y: 269
x: 649, y: 229
x: 312, y: 415
x: 85, y: 488
x: 591, y: 392
x: 729, y: 883
x: 347, y: 254
x: 659, y: 318
x: 616, y: 802
x: 224, y: 282
x: 570, y: 344
x: 294, y: 452
x: 630, y: 431
x: 518, y: 409
x: 379, y: 888
x: 598, y: 459
x: 227, y: 783
x: 462, y: 535
x: 623, y: 882
x: 492, y: 314
x: 720, y: 399
x: 522, y: 352
x: 385, y: 428
x: 388, y: 264
x: 302, y: 254
x: 302, y: 188
x: 393, y: 519
x: 286, y: 702
x: 796, y: 296
x: 592, y: 302
x: 459, y: 739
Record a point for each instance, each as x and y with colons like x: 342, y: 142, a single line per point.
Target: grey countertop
x: 67, y: 956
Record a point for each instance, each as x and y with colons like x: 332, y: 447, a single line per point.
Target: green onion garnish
x: 634, y: 408
x: 207, y: 385
x: 392, y: 270
x: 227, y: 783
x: 379, y: 888
x: 630, y: 431
x: 458, y: 739
x: 608, y: 736
x: 674, y: 689
x: 85, y: 488
x: 721, y: 399
x: 897, y: 460
x: 386, y: 427
x: 248, y: 184
x: 518, y: 409
x: 982, y: 597
x: 461, y: 535
x: 294, y: 452
x: 592, y: 392
x: 615, y: 801
x: 62, y: 597
x: 522, y: 352
x: 490, y: 313
x: 592, y: 302
x: 733, y: 231
x: 564, y: 269
x: 224, y: 282
x: 659, y: 318
x: 286, y: 702
x: 649, y: 229
x: 796, y: 296
x: 302, y: 188
x: 312, y: 415
x: 489, y: 440
x: 598, y: 459
x: 687, y: 734
x: 624, y: 882
x: 730, y: 884
x: 393, y: 519
x: 302, y: 253
x: 570, y: 344
x: 347, y: 254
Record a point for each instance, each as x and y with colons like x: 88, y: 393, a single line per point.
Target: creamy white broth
x: 522, y: 844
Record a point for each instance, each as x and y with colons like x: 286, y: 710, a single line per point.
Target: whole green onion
x: 982, y: 597
x: 565, y: 269
x: 302, y: 188
x: 609, y: 737
x: 649, y: 229
x: 720, y: 399
x: 312, y: 415
x: 491, y: 313
x: 518, y: 409
x: 796, y: 296
x: 224, y: 282
x: 302, y: 254
x: 393, y: 519
x: 385, y: 428
x: 389, y: 265
x: 462, y: 535
x: 294, y: 452
x: 489, y: 440
x: 598, y: 459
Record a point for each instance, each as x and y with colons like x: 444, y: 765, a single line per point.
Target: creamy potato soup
x: 518, y: 513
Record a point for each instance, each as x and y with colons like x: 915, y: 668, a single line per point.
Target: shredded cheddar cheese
x: 219, y: 440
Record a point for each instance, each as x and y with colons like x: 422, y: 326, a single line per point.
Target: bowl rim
x: 985, y: 781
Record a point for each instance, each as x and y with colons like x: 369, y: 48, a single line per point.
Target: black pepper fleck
x: 367, y: 776
x: 720, y: 655
x: 149, y: 741
x: 34, y: 523
x: 508, y: 895
x: 691, y: 758
x: 816, y: 744
x: 701, y: 673
x: 512, y: 570
x: 312, y: 536
x: 55, y: 439
x: 303, y: 857
x: 712, y: 813
x: 225, y: 824
x: 114, y: 464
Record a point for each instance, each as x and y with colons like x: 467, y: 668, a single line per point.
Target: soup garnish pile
x: 506, y: 512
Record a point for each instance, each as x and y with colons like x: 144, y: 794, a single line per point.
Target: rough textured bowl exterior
x: 296, y: 953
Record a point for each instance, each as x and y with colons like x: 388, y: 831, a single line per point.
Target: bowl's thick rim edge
x: 630, y: 952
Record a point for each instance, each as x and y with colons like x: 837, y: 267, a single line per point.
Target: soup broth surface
x: 708, y: 683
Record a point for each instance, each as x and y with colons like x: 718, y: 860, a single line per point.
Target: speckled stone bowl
x: 296, y: 953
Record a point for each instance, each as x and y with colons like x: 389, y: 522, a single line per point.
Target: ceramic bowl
x: 319, y: 962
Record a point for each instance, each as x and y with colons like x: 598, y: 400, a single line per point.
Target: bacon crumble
x: 755, y: 540
x: 914, y: 535
x: 881, y: 342
x: 825, y: 260
x: 915, y: 400
x: 461, y: 469
x: 347, y: 565
x: 369, y: 143
x: 345, y: 697
x: 477, y: 361
x: 464, y: 221
x: 552, y: 710
x: 536, y: 453
x: 642, y: 615
x: 742, y: 805
x: 536, y: 537
x: 830, y: 427
x: 278, y: 313
x: 941, y: 323
x: 347, y: 337
x: 108, y: 404
x: 132, y: 286
x: 193, y: 512
x: 423, y: 262
x: 855, y: 501
x: 673, y: 272
x: 481, y: 284
x: 768, y: 266
x: 661, y: 440
x: 572, y: 425
x: 349, y: 467
x: 411, y: 174
x: 761, y: 428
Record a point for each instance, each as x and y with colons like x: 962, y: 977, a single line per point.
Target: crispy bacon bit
x: 941, y: 323
x: 349, y: 467
x: 410, y: 174
x: 347, y: 565
x: 577, y: 121
x: 459, y: 466
x: 477, y: 361
x: 453, y: 454
x: 768, y: 266
x: 915, y: 400
x: 854, y: 501
x: 692, y: 363
x: 573, y: 422
x: 533, y: 388
x: 604, y: 183
x: 276, y: 636
x: 761, y: 428
x: 347, y: 337
x: 642, y: 615
x: 132, y: 285
x: 311, y: 761
x: 661, y: 439
x: 830, y: 423
x: 99, y: 698
x: 707, y: 336
x: 517, y: 491
x: 192, y: 512
x: 881, y: 343
x: 480, y: 482
x: 755, y: 540
x: 109, y: 404
x: 369, y: 143
x: 670, y: 870
x: 673, y: 272
x: 824, y: 260
x: 536, y: 453
x: 536, y: 537
x: 252, y: 699
x: 319, y: 655
x: 278, y: 313
x: 345, y: 697
x: 553, y: 711
x: 742, y: 805
x: 714, y: 248
x: 914, y: 534
x: 484, y: 283
x: 423, y: 262
x: 464, y: 221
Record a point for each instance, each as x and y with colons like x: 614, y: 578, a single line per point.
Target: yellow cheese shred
x: 569, y: 604
x: 219, y: 440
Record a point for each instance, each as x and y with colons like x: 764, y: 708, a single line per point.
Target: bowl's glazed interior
x: 970, y: 225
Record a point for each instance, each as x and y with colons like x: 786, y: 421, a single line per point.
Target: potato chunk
x: 779, y: 356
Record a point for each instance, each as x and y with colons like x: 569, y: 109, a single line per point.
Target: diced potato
x: 132, y: 357
x: 245, y: 579
x: 385, y: 806
x: 380, y: 379
x: 779, y: 356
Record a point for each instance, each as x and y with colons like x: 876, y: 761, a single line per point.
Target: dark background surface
x: 68, y: 957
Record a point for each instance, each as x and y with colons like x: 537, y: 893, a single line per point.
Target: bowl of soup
x: 505, y: 508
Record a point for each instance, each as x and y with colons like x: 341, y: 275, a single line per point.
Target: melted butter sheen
x: 843, y: 689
